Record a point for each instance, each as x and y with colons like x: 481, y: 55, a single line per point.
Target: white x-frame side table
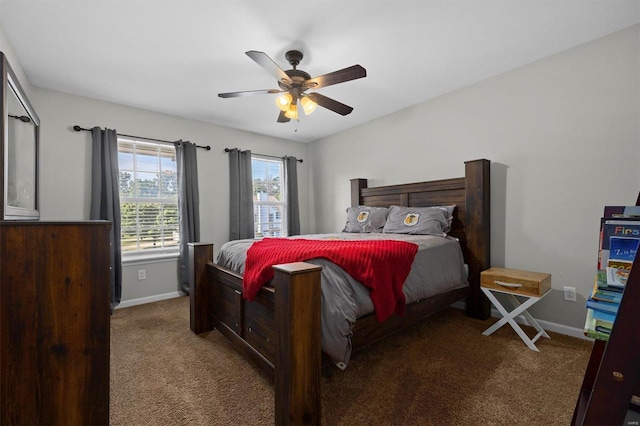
x: 518, y: 308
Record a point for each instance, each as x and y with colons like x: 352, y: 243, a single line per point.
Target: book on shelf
x: 601, y: 329
x: 622, y: 252
x: 622, y: 211
x: 592, y: 330
x: 615, y: 229
x: 623, y: 248
x: 618, y: 272
x: 605, y: 293
x: 597, y: 305
x: 603, y: 317
x: 602, y: 295
x: 601, y: 283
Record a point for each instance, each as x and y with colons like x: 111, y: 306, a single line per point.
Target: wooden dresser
x: 54, y: 323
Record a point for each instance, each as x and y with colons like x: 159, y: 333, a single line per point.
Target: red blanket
x: 381, y: 265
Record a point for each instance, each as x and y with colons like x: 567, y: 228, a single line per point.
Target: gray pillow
x: 365, y: 219
x: 434, y: 220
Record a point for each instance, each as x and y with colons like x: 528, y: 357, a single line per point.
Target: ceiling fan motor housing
x: 298, y: 77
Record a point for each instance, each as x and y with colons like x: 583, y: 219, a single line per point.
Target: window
x: 269, y: 200
x: 148, y: 197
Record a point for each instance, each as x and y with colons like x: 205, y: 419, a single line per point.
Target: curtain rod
x: 270, y: 156
x: 80, y: 129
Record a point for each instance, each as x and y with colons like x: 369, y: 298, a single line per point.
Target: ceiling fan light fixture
x: 308, y: 105
x: 292, y: 112
x: 284, y: 101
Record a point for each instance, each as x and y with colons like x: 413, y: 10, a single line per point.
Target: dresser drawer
x: 516, y: 281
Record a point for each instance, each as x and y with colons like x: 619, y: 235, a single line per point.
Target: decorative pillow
x: 434, y: 220
x: 364, y: 219
x: 449, y: 210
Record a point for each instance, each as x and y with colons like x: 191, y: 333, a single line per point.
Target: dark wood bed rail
x: 280, y: 330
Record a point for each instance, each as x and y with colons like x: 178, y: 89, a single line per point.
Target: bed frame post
x: 298, y: 353
x: 356, y: 186
x: 199, y: 255
x: 478, y: 232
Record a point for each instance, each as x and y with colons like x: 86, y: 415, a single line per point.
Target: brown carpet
x: 440, y: 372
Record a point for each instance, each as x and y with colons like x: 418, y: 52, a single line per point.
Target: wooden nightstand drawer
x: 515, y: 281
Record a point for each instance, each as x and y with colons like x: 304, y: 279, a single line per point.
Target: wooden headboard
x: 471, y: 218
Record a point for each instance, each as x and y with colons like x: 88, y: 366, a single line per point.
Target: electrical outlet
x: 142, y: 274
x: 570, y: 294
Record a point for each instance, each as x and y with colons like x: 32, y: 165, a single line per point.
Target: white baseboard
x: 149, y: 299
x: 560, y: 328
x: 547, y: 325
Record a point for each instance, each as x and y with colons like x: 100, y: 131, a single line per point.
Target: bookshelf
x: 612, y: 379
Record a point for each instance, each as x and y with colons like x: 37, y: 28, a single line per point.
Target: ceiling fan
x: 294, y: 83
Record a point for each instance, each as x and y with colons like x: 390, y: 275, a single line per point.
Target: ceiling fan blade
x: 268, y: 64
x: 282, y: 118
x: 351, y: 73
x: 331, y: 104
x: 248, y: 93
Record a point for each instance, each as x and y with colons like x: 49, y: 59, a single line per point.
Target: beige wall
x: 563, y: 134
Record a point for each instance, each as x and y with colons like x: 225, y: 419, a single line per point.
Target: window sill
x: 134, y: 259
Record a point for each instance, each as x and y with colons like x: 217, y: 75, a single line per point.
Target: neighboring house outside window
x: 148, y: 197
x: 269, y: 200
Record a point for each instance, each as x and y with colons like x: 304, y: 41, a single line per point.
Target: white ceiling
x: 174, y: 57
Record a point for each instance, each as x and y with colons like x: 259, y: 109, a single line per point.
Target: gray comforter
x: 437, y: 267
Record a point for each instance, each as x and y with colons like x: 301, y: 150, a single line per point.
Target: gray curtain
x: 188, y: 206
x: 241, y: 190
x: 105, y: 199
x: 291, y: 178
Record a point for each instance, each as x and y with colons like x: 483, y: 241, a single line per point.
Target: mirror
x: 20, y: 146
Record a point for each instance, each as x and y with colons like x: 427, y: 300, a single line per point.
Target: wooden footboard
x: 280, y: 330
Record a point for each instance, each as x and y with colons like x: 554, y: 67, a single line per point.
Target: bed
x: 281, y: 328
